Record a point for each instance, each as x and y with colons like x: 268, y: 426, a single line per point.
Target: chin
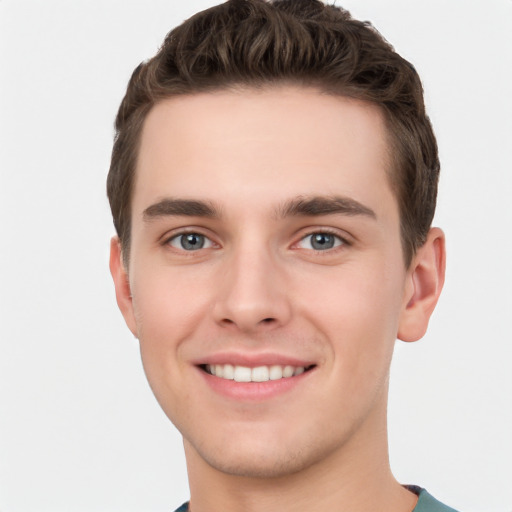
x: 264, y: 466
x: 263, y: 460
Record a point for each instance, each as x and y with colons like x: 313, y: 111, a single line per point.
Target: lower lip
x: 253, y: 391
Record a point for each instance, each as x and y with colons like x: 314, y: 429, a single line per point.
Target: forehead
x: 261, y: 145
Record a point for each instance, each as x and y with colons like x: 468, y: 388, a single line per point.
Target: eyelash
x: 176, y: 236
x: 340, y: 241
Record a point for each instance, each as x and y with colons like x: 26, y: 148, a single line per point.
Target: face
x: 266, y: 281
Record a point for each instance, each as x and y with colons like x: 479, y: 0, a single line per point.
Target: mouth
x: 254, y: 374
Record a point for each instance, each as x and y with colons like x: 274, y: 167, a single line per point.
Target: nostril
x: 249, y: 325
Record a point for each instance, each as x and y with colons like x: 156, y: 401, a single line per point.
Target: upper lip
x: 253, y: 360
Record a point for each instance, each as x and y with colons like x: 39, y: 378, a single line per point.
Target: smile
x: 256, y: 374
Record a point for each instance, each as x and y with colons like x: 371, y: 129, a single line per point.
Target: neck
x: 354, y: 477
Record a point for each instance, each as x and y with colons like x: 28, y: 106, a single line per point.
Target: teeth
x: 257, y: 374
x: 242, y: 374
x: 288, y: 371
x: 229, y: 372
x: 276, y: 372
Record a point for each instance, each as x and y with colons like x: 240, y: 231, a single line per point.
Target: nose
x: 252, y: 294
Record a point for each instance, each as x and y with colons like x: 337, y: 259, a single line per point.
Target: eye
x: 320, y: 241
x: 190, y: 242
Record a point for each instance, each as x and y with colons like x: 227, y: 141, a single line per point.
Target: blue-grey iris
x: 192, y: 241
x: 322, y: 241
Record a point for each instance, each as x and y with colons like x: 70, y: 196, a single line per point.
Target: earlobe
x: 122, y: 284
x: 425, y: 280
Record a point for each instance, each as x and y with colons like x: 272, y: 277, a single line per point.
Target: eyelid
x: 175, y: 233
x: 344, y: 238
x: 176, y: 238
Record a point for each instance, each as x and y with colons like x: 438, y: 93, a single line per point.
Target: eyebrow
x: 324, y: 205
x: 180, y: 207
x: 299, y: 206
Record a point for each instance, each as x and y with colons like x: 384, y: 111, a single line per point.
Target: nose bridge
x: 251, y: 295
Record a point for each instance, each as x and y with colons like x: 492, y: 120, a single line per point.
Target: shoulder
x: 183, y: 508
x: 427, y: 503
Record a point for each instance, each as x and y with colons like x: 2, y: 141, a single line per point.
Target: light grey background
x: 79, y: 428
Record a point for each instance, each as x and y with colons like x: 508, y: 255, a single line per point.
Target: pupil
x: 322, y: 241
x: 192, y: 241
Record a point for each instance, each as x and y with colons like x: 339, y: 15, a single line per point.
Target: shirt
x: 426, y: 502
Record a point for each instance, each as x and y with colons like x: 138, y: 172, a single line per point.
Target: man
x: 273, y: 183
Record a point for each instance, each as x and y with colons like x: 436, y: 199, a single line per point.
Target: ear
x: 122, y: 284
x: 425, y: 279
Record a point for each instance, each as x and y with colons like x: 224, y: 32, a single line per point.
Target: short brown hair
x: 256, y: 43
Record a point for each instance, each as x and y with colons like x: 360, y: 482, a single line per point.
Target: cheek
x: 166, y: 300
x: 357, y: 311
x: 168, y: 306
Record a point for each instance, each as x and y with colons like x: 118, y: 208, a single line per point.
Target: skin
x: 258, y: 288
